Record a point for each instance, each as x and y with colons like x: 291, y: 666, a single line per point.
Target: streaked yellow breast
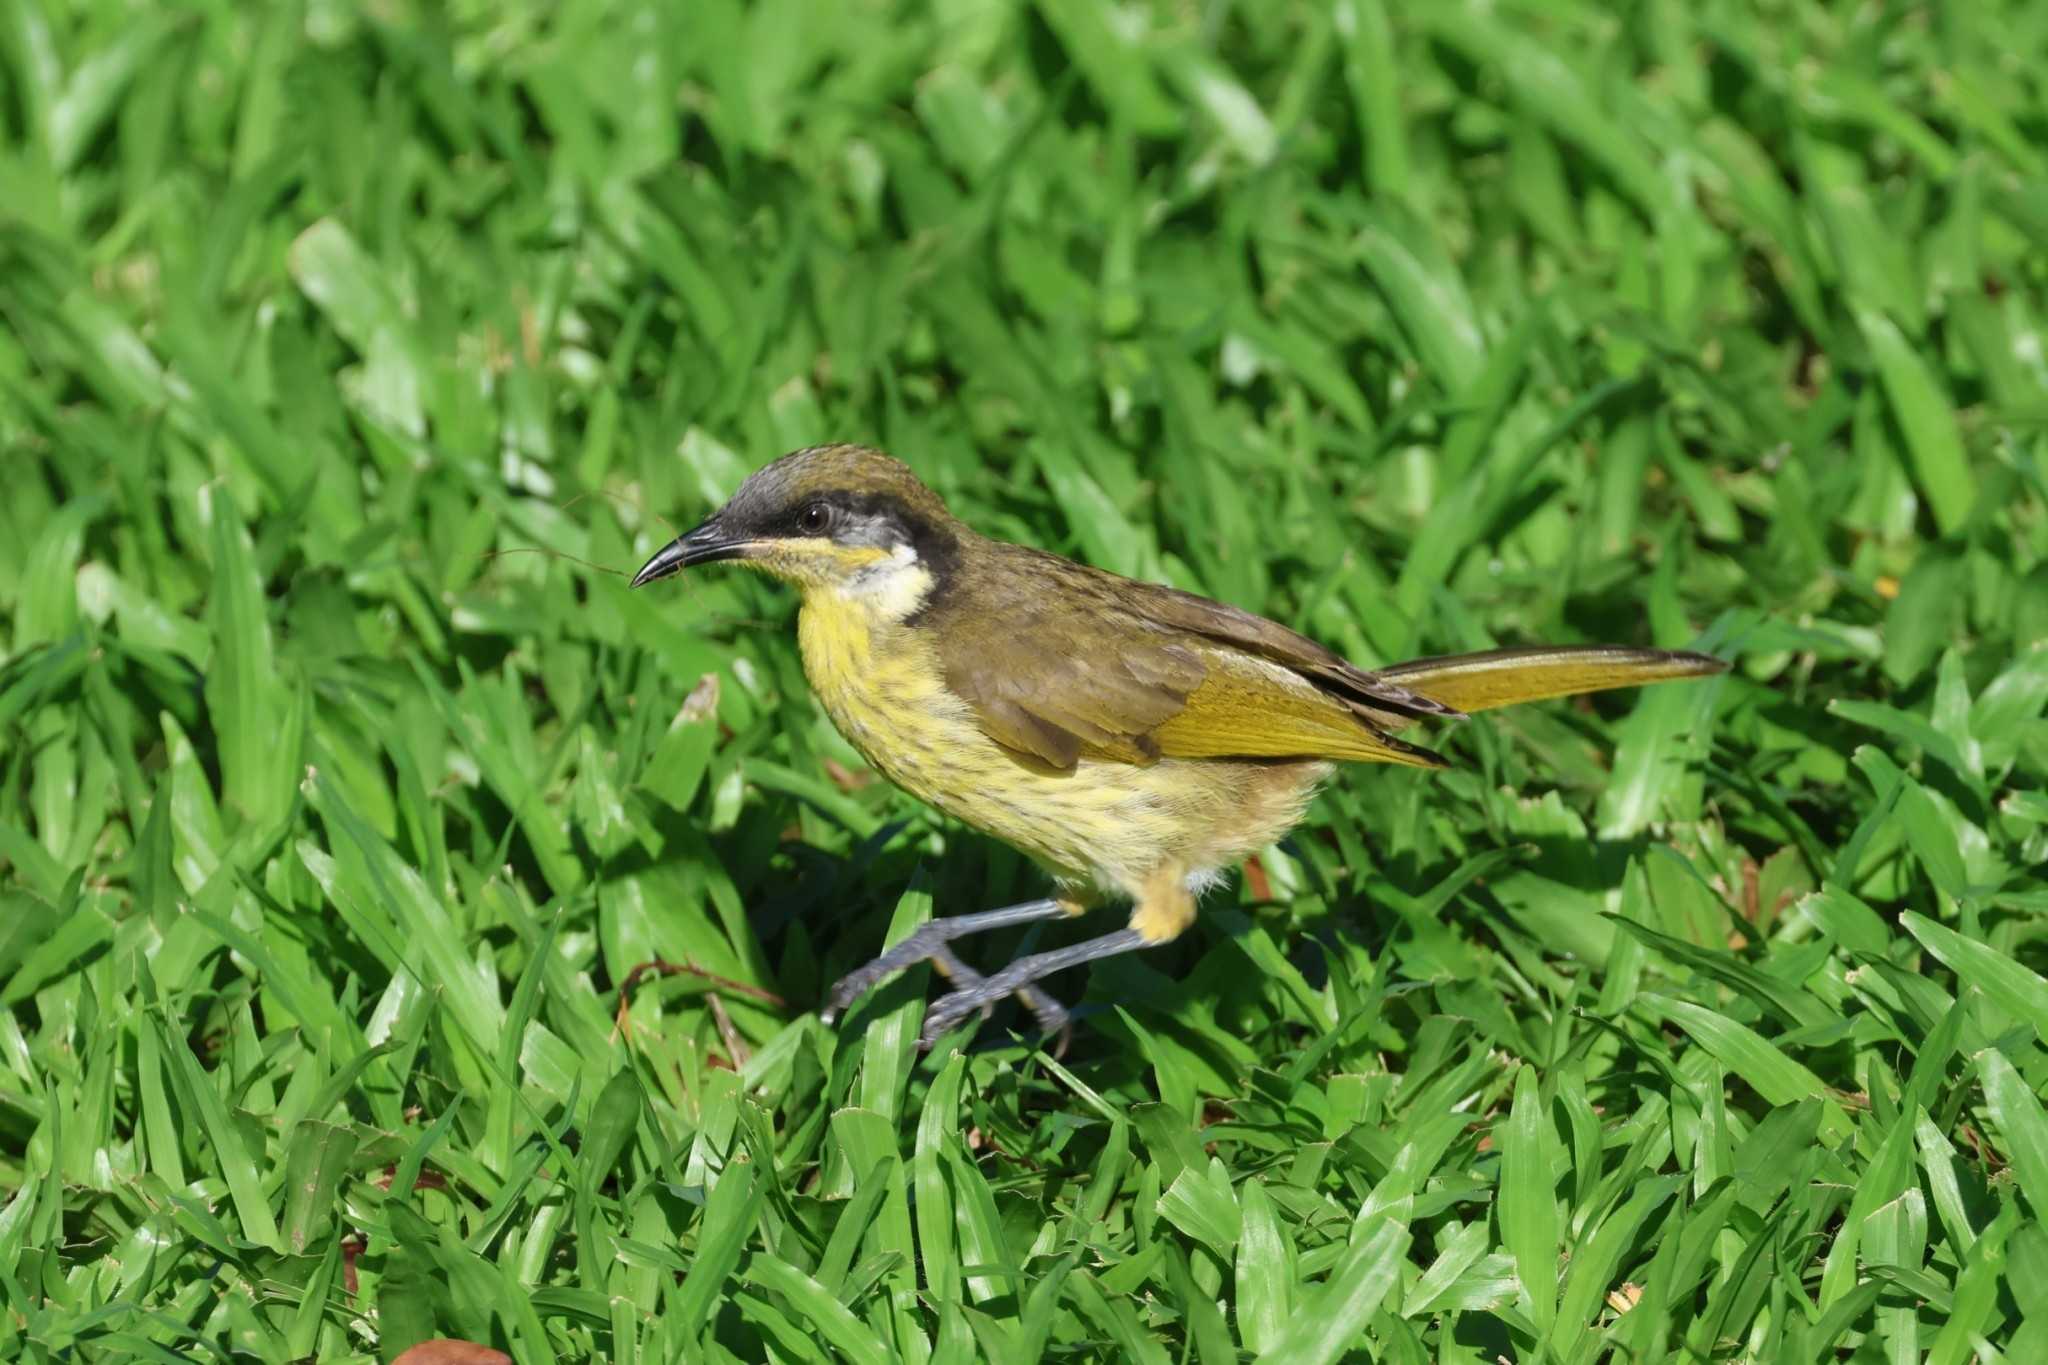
x: 1105, y: 823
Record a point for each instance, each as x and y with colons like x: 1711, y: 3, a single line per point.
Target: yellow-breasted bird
x: 1133, y: 739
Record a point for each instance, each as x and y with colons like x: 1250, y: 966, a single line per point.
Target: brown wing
x: 1080, y: 663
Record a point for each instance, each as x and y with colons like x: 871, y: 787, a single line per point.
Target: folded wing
x: 1132, y: 672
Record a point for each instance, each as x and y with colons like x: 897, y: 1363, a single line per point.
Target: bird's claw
x: 950, y: 1010
x: 857, y: 982
x: 932, y: 942
x: 972, y: 993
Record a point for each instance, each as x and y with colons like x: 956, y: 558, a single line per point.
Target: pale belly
x: 1105, y: 825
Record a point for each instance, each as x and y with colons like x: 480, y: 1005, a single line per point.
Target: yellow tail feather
x: 1502, y: 677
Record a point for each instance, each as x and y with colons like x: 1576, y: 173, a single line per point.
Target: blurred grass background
x: 349, y: 354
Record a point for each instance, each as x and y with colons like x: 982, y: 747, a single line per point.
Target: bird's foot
x: 946, y: 1013
x: 1051, y: 1014
x: 929, y: 942
x: 857, y: 982
x: 1019, y: 979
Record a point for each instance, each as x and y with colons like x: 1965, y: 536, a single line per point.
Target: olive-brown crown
x: 845, y: 476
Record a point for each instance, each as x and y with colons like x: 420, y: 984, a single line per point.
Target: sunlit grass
x: 349, y: 798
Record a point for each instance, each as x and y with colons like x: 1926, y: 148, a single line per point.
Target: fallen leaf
x: 449, y: 1351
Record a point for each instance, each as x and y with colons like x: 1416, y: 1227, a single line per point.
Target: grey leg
x: 948, y: 964
x: 1050, y: 1013
x: 1018, y: 977
x: 929, y: 943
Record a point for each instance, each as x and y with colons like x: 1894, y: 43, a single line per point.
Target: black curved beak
x: 706, y: 544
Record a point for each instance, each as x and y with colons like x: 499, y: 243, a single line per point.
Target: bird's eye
x: 815, y: 518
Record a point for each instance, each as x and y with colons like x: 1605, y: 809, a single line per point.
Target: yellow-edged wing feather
x: 1247, y: 709
x: 1502, y: 677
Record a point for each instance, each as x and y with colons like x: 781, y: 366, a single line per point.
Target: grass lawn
x: 407, y: 931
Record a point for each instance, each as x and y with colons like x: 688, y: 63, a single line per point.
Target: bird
x: 1135, y: 740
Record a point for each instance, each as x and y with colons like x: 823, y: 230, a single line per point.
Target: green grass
x: 349, y: 356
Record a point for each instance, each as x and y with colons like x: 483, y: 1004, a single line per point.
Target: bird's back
x: 1061, y: 661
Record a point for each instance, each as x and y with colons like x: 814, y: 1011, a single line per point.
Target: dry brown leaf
x: 449, y: 1351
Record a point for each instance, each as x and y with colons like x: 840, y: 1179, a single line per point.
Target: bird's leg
x: 1162, y: 909
x: 948, y: 964
x: 1050, y: 1013
x: 948, y: 1010
x: 929, y: 942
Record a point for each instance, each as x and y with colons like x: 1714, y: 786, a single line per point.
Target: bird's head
x: 838, y: 520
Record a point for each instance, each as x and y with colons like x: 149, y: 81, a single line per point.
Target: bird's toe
x: 945, y: 1013
x: 949, y: 1011
x: 846, y: 990
x: 1053, y: 1018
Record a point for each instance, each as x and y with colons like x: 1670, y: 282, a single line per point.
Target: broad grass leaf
x: 819, y: 1311
x: 1926, y: 415
x: 1766, y: 1068
x: 2006, y: 983
x: 2022, y: 1125
x: 1527, y: 1208
x: 938, y: 1251
x: 1201, y: 1203
x: 1332, y: 1316
x: 730, y: 1214
x: 1265, y: 1271
x: 1885, y: 1178
x: 316, y: 1160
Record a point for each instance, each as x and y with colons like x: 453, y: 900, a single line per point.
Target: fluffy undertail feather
x: 1502, y: 677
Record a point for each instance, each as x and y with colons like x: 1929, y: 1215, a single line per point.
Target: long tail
x: 1502, y: 677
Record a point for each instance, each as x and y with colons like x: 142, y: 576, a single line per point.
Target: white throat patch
x: 891, y: 588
